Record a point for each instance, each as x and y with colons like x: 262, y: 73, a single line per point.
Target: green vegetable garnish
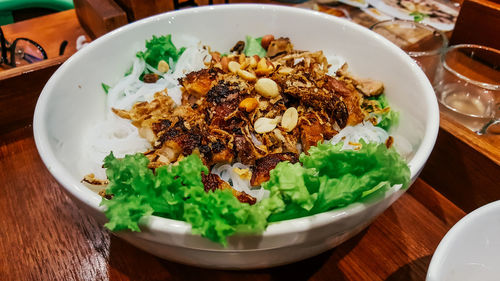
x: 129, y: 71
x: 160, y: 48
x: 389, y: 118
x: 418, y: 16
x: 253, y: 47
x: 105, y: 87
x: 336, y: 178
x: 174, y: 192
x: 328, y: 178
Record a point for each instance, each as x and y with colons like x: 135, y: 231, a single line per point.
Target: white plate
x: 403, y: 9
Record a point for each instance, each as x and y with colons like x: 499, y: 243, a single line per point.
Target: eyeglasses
x: 22, y: 51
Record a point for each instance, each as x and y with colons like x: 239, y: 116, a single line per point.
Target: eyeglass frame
x: 12, y: 49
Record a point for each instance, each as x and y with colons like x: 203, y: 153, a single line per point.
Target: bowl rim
x: 434, y: 272
x: 460, y: 74
x: 169, y: 226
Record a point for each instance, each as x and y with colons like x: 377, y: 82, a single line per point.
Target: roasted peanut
x: 248, y: 104
x: 233, y: 66
x: 289, y: 119
x: 245, y: 174
x: 215, y: 56
x: 264, y: 125
x: 224, y: 61
x: 266, y: 40
x: 279, y: 135
x: 163, y: 66
x: 267, y: 88
x: 241, y: 58
x: 253, y: 62
x: 147, y: 133
x: 150, y: 78
x: 245, y: 63
x: 263, y: 67
x: 249, y: 76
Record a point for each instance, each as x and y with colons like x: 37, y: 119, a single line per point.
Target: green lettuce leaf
x: 253, y: 47
x: 176, y: 192
x: 331, y: 178
x: 289, y: 183
x: 346, y: 175
x: 124, y: 212
x: 389, y: 118
x: 325, y: 179
x: 373, y: 163
x: 128, y: 179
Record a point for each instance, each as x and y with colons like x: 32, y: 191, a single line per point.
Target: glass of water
x: 422, y: 42
x: 467, y: 84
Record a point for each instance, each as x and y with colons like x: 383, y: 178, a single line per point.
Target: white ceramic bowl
x: 73, y: 100
x: 471, y: 249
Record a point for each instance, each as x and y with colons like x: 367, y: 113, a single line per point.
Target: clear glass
x: 467, y: 85
x: 422, y: 42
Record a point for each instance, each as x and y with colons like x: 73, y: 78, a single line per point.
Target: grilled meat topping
x: 225, y: 118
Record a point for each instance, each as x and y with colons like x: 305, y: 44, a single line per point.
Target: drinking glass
x: 467, y: 85
x: 422, y: 42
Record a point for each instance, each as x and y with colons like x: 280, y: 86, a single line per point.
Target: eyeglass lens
x: 26, y: 52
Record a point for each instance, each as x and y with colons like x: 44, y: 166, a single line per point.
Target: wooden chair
x: 98, y: 17
x: 478, y: 23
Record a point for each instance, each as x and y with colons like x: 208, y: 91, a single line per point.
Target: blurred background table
x: 45, y: 237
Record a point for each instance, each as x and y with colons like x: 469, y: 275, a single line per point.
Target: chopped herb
x: 105, y: 87
x: 129, y: 71
x: 418, y: 16
x: 160, y: 48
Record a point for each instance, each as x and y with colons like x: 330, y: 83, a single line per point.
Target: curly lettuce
x: 175, y: 192
x: 335, y: 178
x: 326, y: 178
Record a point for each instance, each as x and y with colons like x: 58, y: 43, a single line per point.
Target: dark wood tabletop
x: 44, y: 236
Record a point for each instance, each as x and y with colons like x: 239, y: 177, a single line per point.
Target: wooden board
x: 98, y: 17
x: 478, y: 23
x: 456, y: 168
x: 21, y: 87
x: 138, y: 9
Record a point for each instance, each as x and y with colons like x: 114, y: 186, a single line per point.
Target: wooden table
x: 49, y: 31
x: 46, y: 237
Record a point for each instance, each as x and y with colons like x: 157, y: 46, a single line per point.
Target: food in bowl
x: 235, y: 141
x: 72, y: 104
